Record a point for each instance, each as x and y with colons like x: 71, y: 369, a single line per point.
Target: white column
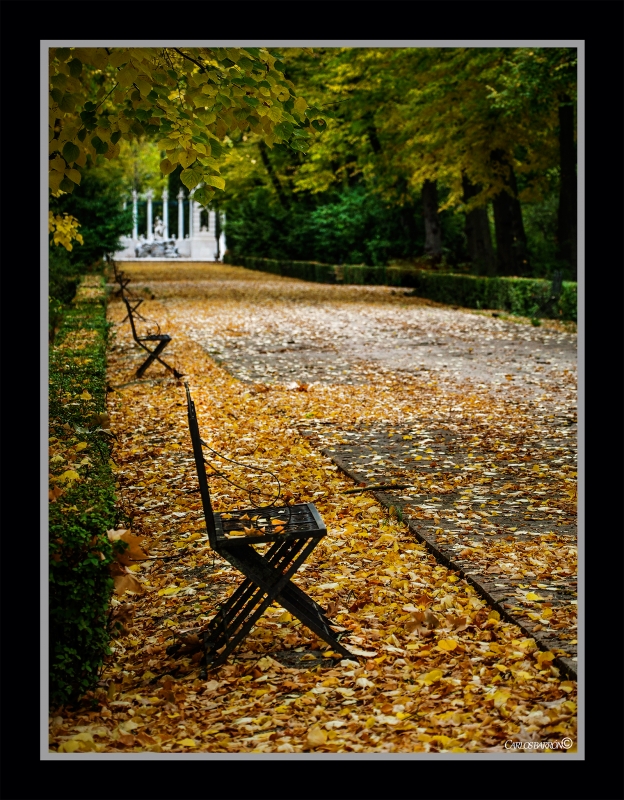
x: 165, y: 213
x: 191, y: 209
x: 212, y: 223
x: 222, y: 236
x: 197, y: 208
x: 135, y: 216
x: 150, y: 228
x: 181, y: 213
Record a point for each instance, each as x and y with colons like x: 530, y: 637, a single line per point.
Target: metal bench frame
x: 163, y: 339
x: 267, y: 575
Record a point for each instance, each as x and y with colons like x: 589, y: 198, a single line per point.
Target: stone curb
x: 567, y: 667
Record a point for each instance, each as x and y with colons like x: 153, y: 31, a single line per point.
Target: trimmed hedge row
x: 525, y: 297
x: 82, y: 499
x: 305, y: 270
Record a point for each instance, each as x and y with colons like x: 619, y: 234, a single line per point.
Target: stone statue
x: 162, y: 248
x: 159, y: 228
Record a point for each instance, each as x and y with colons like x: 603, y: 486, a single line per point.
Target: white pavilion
x: 199, y: 243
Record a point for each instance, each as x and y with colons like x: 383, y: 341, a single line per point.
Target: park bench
x: 123, y: 292
x: 292, y: 533
x: 161, y: 340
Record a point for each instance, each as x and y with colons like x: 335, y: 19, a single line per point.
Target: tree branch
x: 197, y: 63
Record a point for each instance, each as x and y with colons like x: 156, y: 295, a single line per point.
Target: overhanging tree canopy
x: 189, y: 99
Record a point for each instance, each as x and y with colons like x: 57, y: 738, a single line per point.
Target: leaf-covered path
x: 440, y: 670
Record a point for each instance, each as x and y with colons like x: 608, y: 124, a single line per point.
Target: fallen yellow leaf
x: 127, y: 583
x: 316, y: 736
x: 431, y: 677
x: 133, y: 552
x: 501, y: 697
x: 69, y: 475
x: 545, y: 657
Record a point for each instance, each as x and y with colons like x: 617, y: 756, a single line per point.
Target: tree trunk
x: 373, y: 139
x: 433, y: 231
x: 273, y: 175
x: 511, y: 246
x: 566, y: 227
x: 478, y: 234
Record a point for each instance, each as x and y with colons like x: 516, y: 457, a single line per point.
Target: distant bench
x: 132, y: 303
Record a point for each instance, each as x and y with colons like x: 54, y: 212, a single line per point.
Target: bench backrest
x: 201, y: 469
x: 122, y: 281
x: 130, y: 316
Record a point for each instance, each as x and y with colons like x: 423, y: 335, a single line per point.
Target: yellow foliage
x: 64, y: 230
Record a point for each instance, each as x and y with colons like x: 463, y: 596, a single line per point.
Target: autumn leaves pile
x: 436, y: 670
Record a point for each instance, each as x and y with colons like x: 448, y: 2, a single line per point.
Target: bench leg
x: 134, y: 312
x: 295, y: 600
x: 154, y: 355
x: 236, y: 618
x: 268, y: 579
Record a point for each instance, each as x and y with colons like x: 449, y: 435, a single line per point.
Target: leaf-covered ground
x: 441, y: 670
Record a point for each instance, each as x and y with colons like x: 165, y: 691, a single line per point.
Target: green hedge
x: 525, y: 297
x: 305, y: 270
x: 82, y: 499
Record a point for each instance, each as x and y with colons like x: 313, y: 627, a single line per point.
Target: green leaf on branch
x: 70, y: 152
x: 190, y: 178
x: 55, y: 179
x: 99, y: 146
x: 59, y: 81
x: 187, y: 157
x: 298, y: 145
x: 66, y: 185
x: 73, y: 174
x: 166, y: 166
x: 214, y: 180
x: 75, y: 67
x: 203, y: 196
x: 126, y: 77
x: 300, y: 104
x: 58, y: 164
x: 68, y: 103
x: 283, y: 130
